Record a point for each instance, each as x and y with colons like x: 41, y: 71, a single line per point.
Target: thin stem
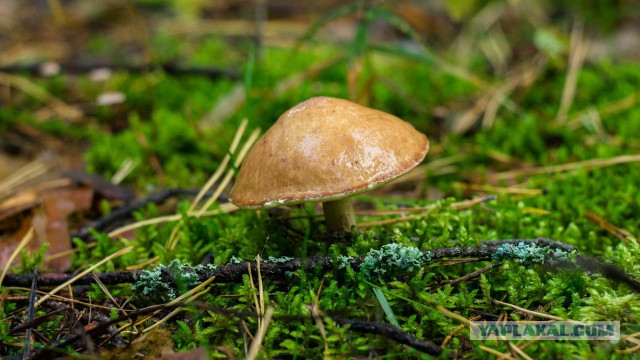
x: 338, y: 214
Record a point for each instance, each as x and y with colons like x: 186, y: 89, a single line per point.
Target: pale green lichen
x: 529, y: 254
x: 393, y: 259
x: 344, y: 261
x: 150, y: 282
x: 280, y: 260
x: 271, y: 259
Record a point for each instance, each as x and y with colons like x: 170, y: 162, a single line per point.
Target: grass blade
x: 385, y: 306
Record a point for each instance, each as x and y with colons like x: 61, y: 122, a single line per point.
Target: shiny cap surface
x: 325, y: 149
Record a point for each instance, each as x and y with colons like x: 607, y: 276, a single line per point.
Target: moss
x: 161, y: 120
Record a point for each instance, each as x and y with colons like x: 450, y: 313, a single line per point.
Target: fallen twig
x: 278, y: 270
x: 31, y: 313
x: 386, y: 330
x: 233, y: 272
x: 473, y: 274
x: 43, y: 69
x: 390, y: 332
x: 108, y: 222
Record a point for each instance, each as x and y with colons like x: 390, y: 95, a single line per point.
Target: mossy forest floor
x: 528, y: 194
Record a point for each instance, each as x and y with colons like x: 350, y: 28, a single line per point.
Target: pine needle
x: 174, y: 312
x: 85, y: 272
x: 253, y: 294
x: 54, y: 297
x: 210, y: 182
x: 586, y: 164
x: 174, y: 301
x: 577, y: 55
x: 517, y: 349
x: 27, y: 172
x: 460, y: 205
x: 496, y: 353
x: 262, y: 331
x: 530, y: 312
x: 223, y: 165
x: 32, y: 89
x: 25, y: 240
x: 224, y: 208
x: 241, y: 155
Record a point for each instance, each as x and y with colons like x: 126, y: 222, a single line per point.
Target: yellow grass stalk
x: 255, y: 297
x: 519, y: 351
x: 25, y: 173
x: 262, y: 331
x: 586, y: 164
x: 32, y: 89
x: 25, y: 240
x: 241, y: 155
x: 224, y: 208
x: 176, y: 300
x: 55, y: 297
x: 174, y: 312
x: 577, y: 54
x: 108, y: 293
x: 530, y: 312
x: 496, y: 353
x: 85, y: 272
x: 223, y: 165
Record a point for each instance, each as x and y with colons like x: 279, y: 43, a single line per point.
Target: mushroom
x: 326, y: 150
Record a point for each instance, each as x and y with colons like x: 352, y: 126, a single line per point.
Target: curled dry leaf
x: 195, y: 354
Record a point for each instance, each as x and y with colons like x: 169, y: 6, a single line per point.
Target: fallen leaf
x: 50, y: 224
x: 57, y: 205
x: 195, y: 354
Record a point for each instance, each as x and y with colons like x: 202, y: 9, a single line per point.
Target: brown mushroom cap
x: 326, y: 149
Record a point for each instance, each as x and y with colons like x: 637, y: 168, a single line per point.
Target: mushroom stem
x: 338, y: 214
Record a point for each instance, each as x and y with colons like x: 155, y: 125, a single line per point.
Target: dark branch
x: 319, y: 264
x: 108, y: 222
x: 390, y: 332
x: 38, y: 69
x: 234, y: 272
x: 386, y: 330
x: 607, y: 270
x: 31, y: 312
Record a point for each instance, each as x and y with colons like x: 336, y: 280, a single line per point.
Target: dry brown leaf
x: 58, y: 205
x: 153, y: 345
x: 49, y: 222
x: 195, y: 354
x: 18, y: 203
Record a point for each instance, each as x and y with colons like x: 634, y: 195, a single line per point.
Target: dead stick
x: 234, y: 272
